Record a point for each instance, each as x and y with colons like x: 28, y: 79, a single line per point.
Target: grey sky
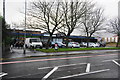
x: 14, y: 7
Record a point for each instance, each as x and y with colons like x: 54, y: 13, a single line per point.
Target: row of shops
x: 19, y: 35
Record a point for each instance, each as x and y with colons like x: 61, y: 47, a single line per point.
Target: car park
x: 73, y: 45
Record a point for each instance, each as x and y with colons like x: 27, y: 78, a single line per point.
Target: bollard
x: 56, y: 46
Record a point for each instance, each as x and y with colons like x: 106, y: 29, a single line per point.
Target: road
x: 95, y: 65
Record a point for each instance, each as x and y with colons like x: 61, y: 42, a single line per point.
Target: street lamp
x: 4, y: 9
x: 24, y: 49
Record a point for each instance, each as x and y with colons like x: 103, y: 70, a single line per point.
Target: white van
x: 33, y: 43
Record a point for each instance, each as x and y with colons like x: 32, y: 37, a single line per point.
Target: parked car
x: 102, y: 44
x: 60, y: 44
x: 33, y: 43
x: 83, y: 44
x: 19, y: 44
x: 73, y: 45
x: 90, y: 44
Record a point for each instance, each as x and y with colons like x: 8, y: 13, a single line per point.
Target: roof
x: 81, y: 37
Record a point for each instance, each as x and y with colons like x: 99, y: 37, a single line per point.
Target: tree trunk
x: 87, y: 40
x: 67, y: 40
x: 118, y: 41
x: 48, y: 42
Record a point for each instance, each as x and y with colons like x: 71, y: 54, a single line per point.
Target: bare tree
x: 57, y: 16
x: 92, y: 21
x: 73, y: 11
x: 114, y: 27
x: 47, y: 17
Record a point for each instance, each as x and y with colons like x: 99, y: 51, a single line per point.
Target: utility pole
x: 4, y: 9
x: 24, y: 49
x: 119, y: 23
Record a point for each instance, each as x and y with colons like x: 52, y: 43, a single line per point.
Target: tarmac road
x: 97, y: 65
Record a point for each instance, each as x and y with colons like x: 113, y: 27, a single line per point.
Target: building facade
x: 111, y: 39
x: 58, y: 37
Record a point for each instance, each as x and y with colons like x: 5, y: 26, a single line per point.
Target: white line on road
x: 82, y: 74
x: 110, y: 60
x: 88, y: 67
x: 71, y: 64
x: 116, y: 62
x: 46, y: 76
x: 45, y: 67
x: 62, y: 65
x: 3, y: 74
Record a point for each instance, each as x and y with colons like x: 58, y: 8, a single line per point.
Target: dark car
x: 60, y: 44
x: 102, y: 44
x: 19, y: 44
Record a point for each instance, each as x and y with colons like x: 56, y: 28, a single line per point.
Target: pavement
x: 18, y: 53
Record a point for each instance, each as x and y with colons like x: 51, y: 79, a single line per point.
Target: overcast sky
x: 14, y: 7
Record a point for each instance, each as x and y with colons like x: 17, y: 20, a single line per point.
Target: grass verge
x: 76, y: 49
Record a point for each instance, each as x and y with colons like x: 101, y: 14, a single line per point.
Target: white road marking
x: 116, y: 62
x: 88, y: 67
x: 46, y: 76
x: 82, y: 74
x: 62, y: 65
x: 3, y: 74
x: 110, y: 60
x: 71, y: 64
x: 45, y: 67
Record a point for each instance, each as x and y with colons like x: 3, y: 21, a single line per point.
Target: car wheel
x: 26, y: 46
x: 40, y: 47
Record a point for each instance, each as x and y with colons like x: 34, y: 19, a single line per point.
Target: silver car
x: 73, y: 45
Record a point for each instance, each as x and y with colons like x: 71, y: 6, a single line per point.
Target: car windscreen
x: 76, y: 43
x: 34, y: 40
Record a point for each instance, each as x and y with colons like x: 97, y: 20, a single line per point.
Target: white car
x: 60, y: 44
x: 73, y: 45
x: 33, y: 43
x: 90, y: 44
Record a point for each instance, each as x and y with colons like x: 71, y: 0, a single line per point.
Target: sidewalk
x: 18, y: 53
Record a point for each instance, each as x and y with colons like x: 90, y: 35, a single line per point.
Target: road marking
x: 3, y: 74
x: 88, y: 67
x: 62, y: 65
x: 82, y: 74
x: 13, y: 62
x: 45, y: 67
x: 116, y: 62
x: 110, y: 60
x: 71, y: 64
x: 46, y: 76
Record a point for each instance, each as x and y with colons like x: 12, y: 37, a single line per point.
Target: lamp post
x: 4, y: 9
x: 24, y: 49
